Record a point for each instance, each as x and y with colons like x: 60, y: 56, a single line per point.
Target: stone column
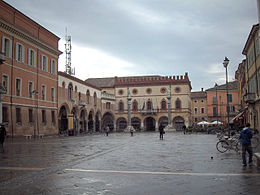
x: 169, y: 107
x: 156, y: 125
x: 142, y: 125
x: 129, y: 109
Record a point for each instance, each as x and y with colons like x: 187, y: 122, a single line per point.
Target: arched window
x: 121, y: 106
x: 149, y: 105
x: 87, y: 96
x: 163, y: 105
x: 79, y: 96
x: 95, y: 99
x: 178, y: 104
x: 135, y: 106
x: 63, y: 84
x: 70, y: 90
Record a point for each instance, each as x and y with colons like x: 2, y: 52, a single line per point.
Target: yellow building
x: 199, y: 106
x: 147, y: 97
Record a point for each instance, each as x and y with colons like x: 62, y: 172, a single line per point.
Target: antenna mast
x: 68, y: 68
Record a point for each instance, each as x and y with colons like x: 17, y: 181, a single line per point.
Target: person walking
x: 161, y: 132
x: 2, y: 136
x: 107, y: 130
x: 245, y: 135
x: 132, y: 131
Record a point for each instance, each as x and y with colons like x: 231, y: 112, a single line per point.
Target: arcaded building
x: 150, y: 101
x: 28, y: 74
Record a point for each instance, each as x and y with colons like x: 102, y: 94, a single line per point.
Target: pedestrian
x: 161, y: 130
x: 2, y: 136
x: 184, y: 129
x: 245, y: 135
x: 132, y: 131
x: 107, y: 130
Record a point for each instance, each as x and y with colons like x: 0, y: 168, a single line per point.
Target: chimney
x: 201, y: 89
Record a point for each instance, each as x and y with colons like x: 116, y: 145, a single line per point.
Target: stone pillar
x: 94, y: 125
x: 157, y: 125
x: 169, y: 107
x: 142, y: 125
x: 129, y: 109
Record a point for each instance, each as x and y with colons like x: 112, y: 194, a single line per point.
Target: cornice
x: 13, y: 30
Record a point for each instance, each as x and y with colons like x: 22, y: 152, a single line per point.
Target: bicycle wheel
x: 254, y: 142
x: 222, y: 146
x: 238, y: 145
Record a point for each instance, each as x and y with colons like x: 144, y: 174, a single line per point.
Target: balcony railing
x: 151, y: 111
x: 105, y: 95
x: 249, y: 98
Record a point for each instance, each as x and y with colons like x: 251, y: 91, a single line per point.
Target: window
x: 87, y: 96
x: 44, y: 116
x: 121, y: 106
x: 5, y: 114
x: 31, y: 57
x: 195, y: 110
x: 201, y: 101
x: 44, y: 63
x: 202, y: 110
x: 5, y: 82
x: 18, y: 87
x: 53, y: 67
x: 163, y: 104
x: 149, y: 91
x: 95, y: 99
x: 30, y: 112
x: 19, y: 52
x: 195, y: 101
x: 70, y: 89
x: 7, y: 47
x: 229, y: 96
x: 214, y: 100
x: 149, y: 105
x: 135, y: 105
x: 18, y: 115
x: 233, y: 109
x: 215, y: 113
x: 163, y: 90
x: 196, y: 120
x: 79, y: 96
x: 178, y: 104
x: 43, y: 92
x: 30, y: 89
x: 177, y: 90
x: 53, y: 120
x: 52, y: 94
x: 108, y: 105
x: 121, y: 92
x: 135, y: 91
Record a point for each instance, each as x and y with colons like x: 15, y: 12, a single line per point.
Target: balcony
x: 146, y: 112
x: 249, y: 98
x: 109, y: 96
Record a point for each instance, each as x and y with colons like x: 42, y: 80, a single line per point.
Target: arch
x: 108, y: 120
x: 121, y: 124
x: 163, y: 121
x: 70, y: 91
x: 63, y: 120
x: 136, y: 123
x: 149, y: 124
x: 91, y: 121
x: 178, y: 123
x: 82, y: 121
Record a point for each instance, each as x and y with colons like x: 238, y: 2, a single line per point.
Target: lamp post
x: 129, y: 109
x: 225, y: 64
x: 216, y: 85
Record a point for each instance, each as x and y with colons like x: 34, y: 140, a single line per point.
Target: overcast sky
x: 149, y: 37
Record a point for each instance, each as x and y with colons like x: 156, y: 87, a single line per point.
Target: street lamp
x: 216, y: 85
x: 225, y: 64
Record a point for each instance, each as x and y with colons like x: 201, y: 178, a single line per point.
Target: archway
x: 149, y: 123
x: 108, y: 120
x: 136, y: 123
x: 178, y: 123
x: 90, y: 122
x: 82, y: 122
x: 63, y: 120
x: 163, y: 121
x: 121, y: 124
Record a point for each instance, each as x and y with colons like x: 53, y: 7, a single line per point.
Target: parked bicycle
x: 234, y: 143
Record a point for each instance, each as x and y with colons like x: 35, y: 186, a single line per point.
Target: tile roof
x: 198, y: 94
x: 234, y: 85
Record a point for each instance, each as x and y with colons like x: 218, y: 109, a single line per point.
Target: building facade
x: 251, y: 93
x: 146, y: 102
x: 29, y: 74
x: 218, y: 106
x: 199, y: 106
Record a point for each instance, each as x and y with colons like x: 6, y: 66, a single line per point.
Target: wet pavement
x: 121, y: 164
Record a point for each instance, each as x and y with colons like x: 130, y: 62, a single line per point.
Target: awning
x: 238, y: 115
